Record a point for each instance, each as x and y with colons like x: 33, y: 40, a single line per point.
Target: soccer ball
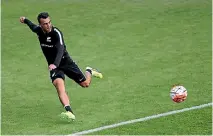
x: 178, y: 93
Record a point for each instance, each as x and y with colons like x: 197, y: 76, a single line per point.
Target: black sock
x: 90, y: 71
x: 68, y: 108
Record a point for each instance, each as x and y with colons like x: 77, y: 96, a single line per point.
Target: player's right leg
x: 57, y: 77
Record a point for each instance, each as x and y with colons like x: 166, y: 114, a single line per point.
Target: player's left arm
x: 59, y: 46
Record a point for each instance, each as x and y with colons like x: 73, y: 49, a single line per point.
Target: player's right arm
x: 31, y: 25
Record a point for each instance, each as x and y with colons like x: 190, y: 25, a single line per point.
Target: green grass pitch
x: 142, y: 47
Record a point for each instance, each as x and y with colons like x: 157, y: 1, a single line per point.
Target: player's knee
x: 56, y: 82
x: 84, y: 84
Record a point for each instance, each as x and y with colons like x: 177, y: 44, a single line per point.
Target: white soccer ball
x: 178, y: 93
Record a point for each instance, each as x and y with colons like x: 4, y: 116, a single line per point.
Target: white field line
x: 141, y: 119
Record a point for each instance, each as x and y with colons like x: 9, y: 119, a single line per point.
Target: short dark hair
x: 43, y: 15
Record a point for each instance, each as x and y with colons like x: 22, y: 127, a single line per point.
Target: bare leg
x: 63, y: 97
x: 87, y: 82
x: 60, y: 87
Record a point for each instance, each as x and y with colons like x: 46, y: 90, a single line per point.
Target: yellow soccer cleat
x: 68, y: 115
x: 95, y: 72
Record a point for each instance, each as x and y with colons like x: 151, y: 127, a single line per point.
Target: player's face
x: 46, y: 24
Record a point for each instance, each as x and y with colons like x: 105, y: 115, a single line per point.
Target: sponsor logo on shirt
x: 45, y: 45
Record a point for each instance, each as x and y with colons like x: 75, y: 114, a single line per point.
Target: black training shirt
x: 52, y: 43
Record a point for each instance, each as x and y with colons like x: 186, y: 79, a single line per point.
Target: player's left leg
x: 86, y: 79
x: 74, y: 72
x: 89, y: 73
x: 94, y: 72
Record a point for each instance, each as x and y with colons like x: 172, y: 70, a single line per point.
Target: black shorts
x: 69, y: 68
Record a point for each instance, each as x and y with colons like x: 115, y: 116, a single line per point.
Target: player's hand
x: 51, y: 67
x: 22, y: 19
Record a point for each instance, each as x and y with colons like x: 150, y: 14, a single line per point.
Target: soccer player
x: 59, y: 61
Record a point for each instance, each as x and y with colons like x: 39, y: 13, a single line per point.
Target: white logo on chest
x: 48, y: 39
